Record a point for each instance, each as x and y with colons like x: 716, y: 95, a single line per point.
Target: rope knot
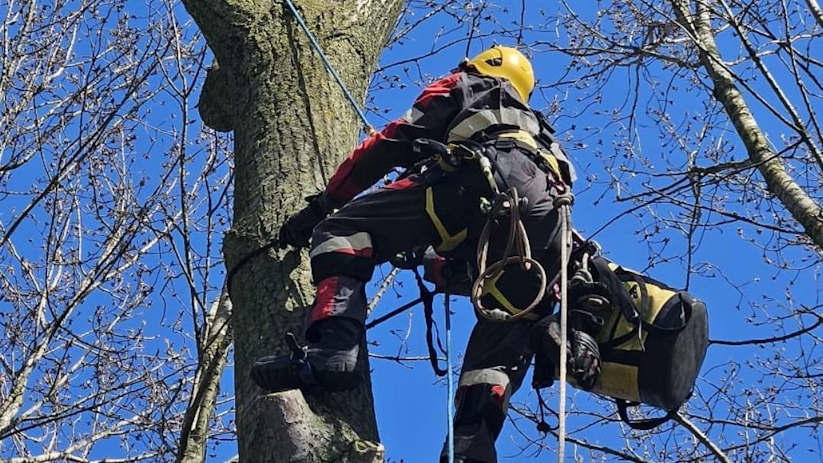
x: 564, y: 199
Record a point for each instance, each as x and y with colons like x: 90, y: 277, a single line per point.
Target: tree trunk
x: 291, y: 126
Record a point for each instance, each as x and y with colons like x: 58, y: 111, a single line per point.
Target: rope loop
x: 516, y: 251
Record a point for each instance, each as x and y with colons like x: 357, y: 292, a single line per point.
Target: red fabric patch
x: 323, y: 303
x: 498, y: 393
x: 341, y: 186
x: 401, y: 184
x: 441, y: 87
x: 437, y: 273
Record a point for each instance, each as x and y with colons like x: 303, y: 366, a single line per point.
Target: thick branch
x: 816, y: 11
x: 779, y: 182
x: 696, y: 432
x: 206, y: 382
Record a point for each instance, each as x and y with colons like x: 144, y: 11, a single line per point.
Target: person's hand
x: 584, y: 364
x: 582, y: 352
x: 446, y: 273
x: 298, y: 228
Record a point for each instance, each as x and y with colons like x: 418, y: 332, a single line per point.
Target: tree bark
x: 291, y: 127
x: 779, y: 182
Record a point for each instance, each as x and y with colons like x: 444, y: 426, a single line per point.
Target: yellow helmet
x: 508, y: 63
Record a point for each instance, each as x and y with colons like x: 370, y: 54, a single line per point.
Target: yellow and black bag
x: 652, y: 345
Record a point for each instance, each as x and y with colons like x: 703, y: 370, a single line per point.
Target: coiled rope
x: 516, y: 240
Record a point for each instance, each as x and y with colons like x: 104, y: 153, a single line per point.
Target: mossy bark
x: 291, y: 126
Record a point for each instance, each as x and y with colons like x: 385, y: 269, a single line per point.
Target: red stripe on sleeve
x: 441, y: 87
x: 341, y: 187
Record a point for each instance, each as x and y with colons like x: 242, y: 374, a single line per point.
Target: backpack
x: 652, y: 345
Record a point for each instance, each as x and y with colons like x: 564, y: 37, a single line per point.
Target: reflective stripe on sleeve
x: 486, y: 118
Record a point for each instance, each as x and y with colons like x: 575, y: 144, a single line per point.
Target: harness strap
x: 428, y: 311
x: 644, y: 424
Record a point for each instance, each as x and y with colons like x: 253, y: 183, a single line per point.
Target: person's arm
x: 378, y: 154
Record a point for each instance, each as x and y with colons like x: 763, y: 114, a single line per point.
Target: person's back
x: 484, y: 104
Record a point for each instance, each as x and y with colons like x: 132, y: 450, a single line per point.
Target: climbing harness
x: 369, y: 129
x: 516, y: 251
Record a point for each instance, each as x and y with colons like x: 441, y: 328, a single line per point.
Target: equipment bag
x: 652, y: 345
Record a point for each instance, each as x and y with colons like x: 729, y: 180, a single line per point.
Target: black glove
x: 408, y: 260
x: 451, y: 273
x: 298, y: 228
x: 582, y: 353
x: 595, y: 298
x: 585, y: 363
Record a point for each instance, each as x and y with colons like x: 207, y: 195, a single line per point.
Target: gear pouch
x: 652, y: 344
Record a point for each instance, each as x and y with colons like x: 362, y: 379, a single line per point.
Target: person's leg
x: 345, y: 248
x: 496, y: 362
x: 499, y: 354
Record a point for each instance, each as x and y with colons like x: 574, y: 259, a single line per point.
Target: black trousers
x: 442, y: 209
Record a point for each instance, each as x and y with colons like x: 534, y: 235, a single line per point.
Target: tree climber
x: 485, y: 102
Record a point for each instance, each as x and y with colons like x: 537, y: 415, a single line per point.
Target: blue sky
x: 734, y: 277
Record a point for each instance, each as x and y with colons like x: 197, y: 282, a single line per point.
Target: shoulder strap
x: 546, y: 137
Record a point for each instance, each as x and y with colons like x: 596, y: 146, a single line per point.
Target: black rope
x: 427, y: 297
x: 394, y: 313
x: 246, y: 259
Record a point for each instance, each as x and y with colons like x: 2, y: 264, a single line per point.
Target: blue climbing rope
x: 319, y: 50
x: 450, y: 378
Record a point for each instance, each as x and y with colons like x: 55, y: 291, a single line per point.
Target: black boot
x: 328, y: 363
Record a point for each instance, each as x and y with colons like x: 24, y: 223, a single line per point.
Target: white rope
x: 565, y: 243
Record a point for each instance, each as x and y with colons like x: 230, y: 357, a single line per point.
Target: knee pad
x: 481, y: 403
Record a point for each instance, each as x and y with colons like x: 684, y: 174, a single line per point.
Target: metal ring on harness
x: 517, y: 240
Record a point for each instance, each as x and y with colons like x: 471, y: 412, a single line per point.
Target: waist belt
x: 526, y: 142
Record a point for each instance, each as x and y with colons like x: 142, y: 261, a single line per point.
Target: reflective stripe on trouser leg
x: 495, y: 364
x: 501, y: 386
x: 341, y: 252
